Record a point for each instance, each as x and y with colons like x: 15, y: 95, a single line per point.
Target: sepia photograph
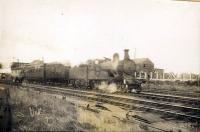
x: 100, y: 65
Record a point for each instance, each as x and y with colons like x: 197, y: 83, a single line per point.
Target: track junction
x: 170, y: 106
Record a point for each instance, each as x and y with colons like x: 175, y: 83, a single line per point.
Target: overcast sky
x: 166, y: 31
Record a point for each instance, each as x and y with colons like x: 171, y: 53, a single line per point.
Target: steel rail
x: 188, y: 93
x: 134, y: 100
x: 172, y: 98
x: 128, y: 102
x: 90, y: 97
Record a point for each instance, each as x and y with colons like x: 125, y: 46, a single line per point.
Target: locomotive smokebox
x: 126, y: 55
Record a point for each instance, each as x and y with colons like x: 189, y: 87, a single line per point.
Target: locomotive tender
x: 41, y: 72
x: 90, y: 75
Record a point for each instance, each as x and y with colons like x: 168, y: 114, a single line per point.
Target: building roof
x: 16, y: 65
x: 142, y: 60
x: 158, y: 69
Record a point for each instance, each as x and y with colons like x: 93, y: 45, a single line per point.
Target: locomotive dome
x: 115, y: 57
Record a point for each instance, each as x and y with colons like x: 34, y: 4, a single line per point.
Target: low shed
x: 144, y: 65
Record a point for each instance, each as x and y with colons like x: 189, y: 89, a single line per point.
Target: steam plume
x: 108, y: 88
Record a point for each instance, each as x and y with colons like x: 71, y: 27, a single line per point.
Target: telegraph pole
x: 135, y: 54
x: 198, y: 78
x: 44, y: 71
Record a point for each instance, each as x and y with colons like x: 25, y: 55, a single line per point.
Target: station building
x: 144, y: 68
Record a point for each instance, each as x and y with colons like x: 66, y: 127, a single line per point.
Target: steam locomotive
x: 89, y: 75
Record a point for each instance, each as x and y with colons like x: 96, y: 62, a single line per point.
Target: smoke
x: 108, y: 88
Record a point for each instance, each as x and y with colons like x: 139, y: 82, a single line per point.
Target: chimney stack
x: 126, y: 55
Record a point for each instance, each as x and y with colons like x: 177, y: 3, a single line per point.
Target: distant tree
x: 1, y: 66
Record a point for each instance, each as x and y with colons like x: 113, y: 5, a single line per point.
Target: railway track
x: 173, y: 92
x: 169, y: 109
x: 188, y: 101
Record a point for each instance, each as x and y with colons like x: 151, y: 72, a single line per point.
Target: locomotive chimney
x: 126, y: 55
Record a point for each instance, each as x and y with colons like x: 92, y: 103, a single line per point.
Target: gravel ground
x: 40, y: 111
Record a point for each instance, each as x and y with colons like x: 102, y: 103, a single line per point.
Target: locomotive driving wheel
x: 91, y: 84
x: 79, y: 83
x: 25, y: 82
